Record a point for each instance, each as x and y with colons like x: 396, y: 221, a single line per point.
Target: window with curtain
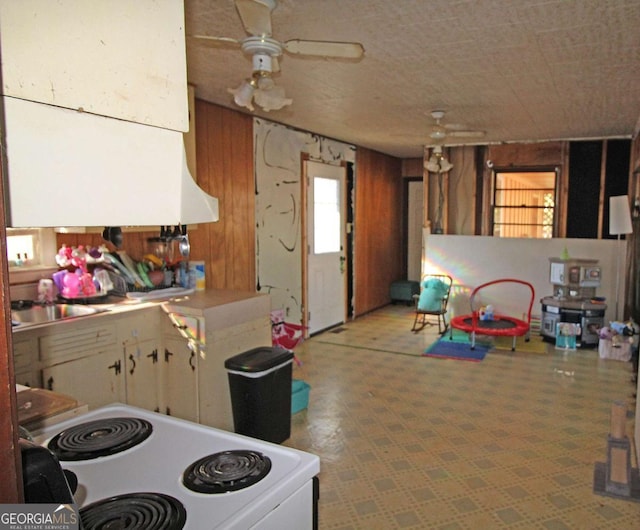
x: 524, y: 204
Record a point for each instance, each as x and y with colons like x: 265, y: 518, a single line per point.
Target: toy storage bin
x: 299, y: 395
x: 621, y: 352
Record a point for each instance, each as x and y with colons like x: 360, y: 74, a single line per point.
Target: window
x: 326, y: 212
x: 524, y: 204
x: 30, y: 248
x: 22, y: 247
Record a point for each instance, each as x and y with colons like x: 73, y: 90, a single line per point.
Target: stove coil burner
x: 103, y: 437
x: 226, y: 471
x: 151, y: 511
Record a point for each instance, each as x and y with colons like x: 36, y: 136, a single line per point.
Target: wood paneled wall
x: 225, y: 170
x: 224, y: 146
x: 378, y: 250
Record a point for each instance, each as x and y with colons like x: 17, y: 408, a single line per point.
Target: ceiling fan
x: 265, y: 52
x: 441, y: 131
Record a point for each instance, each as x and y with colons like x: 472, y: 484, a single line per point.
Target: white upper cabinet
x: 123, y: 59
x: 94, y: 110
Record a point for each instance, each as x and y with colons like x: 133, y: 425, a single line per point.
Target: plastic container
x: 566, y: 335
x: 260, y: 385
x: 198, y: 267
x: 299, y: 396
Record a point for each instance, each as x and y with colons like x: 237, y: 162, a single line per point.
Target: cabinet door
x: 141, y: 363
x: 95, y: 380
x: 50, y: 51
x: 180, y: 379
x: 25, y: 355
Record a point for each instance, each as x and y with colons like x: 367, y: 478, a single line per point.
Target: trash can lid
x: 258, y: 359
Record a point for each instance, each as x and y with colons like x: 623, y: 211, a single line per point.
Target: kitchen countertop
x: 223, y: 306
x: 36, y: 406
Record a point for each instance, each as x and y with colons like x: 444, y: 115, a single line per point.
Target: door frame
x: 304, y: 223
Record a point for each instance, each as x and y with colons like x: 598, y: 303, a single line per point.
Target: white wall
x: 278, y: 164
x: 473, y: 260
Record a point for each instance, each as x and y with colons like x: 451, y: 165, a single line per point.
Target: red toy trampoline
x: 498, y: 326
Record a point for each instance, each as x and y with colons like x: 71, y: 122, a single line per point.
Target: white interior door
x: 325, y: 246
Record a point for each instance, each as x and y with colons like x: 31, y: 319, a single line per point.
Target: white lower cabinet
x: 25, y: 354
x: 142, y: 367
x: 95, y: 380
x: 141, y: 345
x: 82, y: 359
x: 180, y: 378
x: 171, y: 363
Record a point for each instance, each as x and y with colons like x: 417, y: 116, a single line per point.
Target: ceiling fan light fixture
x: 262, y: 63
x: 445, y: 165
x: 243, y: 95
x: 271, y: 99
x: 437, y: 162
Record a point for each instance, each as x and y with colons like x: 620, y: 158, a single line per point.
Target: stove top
x: 93, y: 439
x: 205, y: 477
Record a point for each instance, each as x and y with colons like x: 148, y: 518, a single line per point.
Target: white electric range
x: 202, y: 477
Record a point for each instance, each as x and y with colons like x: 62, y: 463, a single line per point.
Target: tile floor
x: 407, y: 441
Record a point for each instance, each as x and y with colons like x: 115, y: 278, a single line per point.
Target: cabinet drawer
x: 76, y: 343
x: 24, y: 353
x: 140, y: 326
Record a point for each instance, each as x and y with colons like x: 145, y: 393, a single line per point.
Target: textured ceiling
x: 519, y: 70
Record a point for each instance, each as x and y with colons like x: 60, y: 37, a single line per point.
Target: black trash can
x: 260, y: 386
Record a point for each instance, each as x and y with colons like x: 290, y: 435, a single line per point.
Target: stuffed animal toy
x: 605, y: 333
x: 617, y: 327
x: 432, y: 295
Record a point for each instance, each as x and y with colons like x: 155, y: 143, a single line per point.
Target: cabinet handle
x: 50, y: 383
x: 191, y: 360
x: 167, y: 354
x: 154, y: 356
x: 133, y: 364
x: 116, y: 366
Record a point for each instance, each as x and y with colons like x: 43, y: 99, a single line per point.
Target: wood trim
x: 345, y: 261
x: 10, y: 458
x: 304, y: 240
x: 602, y: 196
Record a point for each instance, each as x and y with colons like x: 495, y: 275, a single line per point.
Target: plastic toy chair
x: 432, y: 302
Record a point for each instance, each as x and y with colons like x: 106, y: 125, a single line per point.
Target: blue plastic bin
x: 299, y: 395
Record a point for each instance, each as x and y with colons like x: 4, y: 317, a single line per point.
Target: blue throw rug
x: 447, y: 349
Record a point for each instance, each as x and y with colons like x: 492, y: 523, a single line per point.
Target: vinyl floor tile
x: 408, y: 441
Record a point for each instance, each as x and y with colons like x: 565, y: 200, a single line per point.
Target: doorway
x: 324, y: 262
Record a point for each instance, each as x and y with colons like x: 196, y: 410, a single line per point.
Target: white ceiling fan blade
x: 256, y: 16
x: 455, y: 126
x: 213, y: 42
x: 343, y: 50
x: 466, y: 134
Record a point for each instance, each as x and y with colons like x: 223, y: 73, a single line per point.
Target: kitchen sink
x: 42, y: 314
